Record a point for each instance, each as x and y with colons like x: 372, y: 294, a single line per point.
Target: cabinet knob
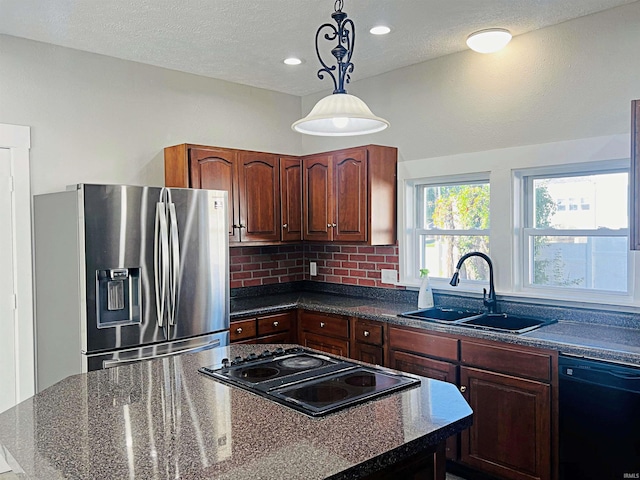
x: 463, y: 388
x: 286, y: 225
x: 328, y: 225
x: 239, y: 330
x: 275, y: 324
x: 334, y: 225
x: 366, y: 333
x: 321, y: 324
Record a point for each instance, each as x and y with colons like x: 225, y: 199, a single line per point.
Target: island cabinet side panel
x: 634, y: 180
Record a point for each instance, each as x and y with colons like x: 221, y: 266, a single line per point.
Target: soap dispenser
x: 425, y: 295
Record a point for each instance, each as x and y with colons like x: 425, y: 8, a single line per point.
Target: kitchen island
x: 162, y: 419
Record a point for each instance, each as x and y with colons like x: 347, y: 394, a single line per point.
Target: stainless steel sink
x: 436, y: 314
x: 497, y: 322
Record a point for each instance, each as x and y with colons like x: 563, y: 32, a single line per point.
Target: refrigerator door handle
x: 174, y: 265
x: 160, y: 250
x: 126, y: 361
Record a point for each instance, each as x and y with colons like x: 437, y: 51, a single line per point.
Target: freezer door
x: 161, y: 350
x: 202, y: 287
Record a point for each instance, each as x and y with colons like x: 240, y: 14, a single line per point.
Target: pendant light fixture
x: 339, y: 114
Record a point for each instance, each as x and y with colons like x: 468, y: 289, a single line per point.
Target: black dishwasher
x: 599, y: 420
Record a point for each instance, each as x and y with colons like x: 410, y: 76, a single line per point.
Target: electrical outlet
x: 313, y: 269
x: 389, y: 276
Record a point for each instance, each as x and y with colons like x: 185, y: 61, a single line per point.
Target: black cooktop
x: 313, y: 383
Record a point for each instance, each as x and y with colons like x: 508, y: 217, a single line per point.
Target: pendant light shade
x: 339, y: 114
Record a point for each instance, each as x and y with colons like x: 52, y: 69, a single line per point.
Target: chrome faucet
x: 490, y: 301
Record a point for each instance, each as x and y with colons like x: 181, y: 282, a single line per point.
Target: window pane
x: 580, y: 262
x: 440, y: 254
x: 585, y: 202
x: 454, y: 207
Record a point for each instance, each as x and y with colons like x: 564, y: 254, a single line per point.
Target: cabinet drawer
x: 284, y: 337
x: 417, y: 341
x: 506, y: 359
x: 425, y: 367
x: 368, y: 333
x: 242, y: 329
x: 280, y: 322
x: 325, y: 324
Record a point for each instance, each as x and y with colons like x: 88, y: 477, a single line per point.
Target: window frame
x: 525, y: 232
x: 413, y: 209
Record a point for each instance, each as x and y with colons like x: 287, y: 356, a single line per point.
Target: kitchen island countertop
x: 162, y: 419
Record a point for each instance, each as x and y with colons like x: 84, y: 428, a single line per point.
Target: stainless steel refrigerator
x: 127, y: 273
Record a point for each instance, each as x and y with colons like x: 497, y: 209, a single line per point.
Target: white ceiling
x: 245, y: 41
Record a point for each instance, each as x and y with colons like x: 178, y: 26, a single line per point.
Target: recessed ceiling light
x: 380, y: 30
x: 292, y: 61
x: 489, y: 40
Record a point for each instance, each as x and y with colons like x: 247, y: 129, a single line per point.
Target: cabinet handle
x: 366, y: 333
x: 241, y: 226
x: 463, y: 388
x: 239, y: 330
x: 321, y: 324
x: 286, y: 225
x: 275, y: 324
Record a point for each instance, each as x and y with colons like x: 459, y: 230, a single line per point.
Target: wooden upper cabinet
x: 634, y: 180
x: 318, y: 198
x: 216, y: 169
x: 343, y: 196
x: 350, y: 195
x: 259, y: 192
x: 251, y: 178
x: 291, y: 198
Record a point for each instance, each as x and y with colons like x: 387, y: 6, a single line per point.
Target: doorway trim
x: 17, y: 139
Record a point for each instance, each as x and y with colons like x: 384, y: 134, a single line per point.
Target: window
x: 580, y: 249
x: 451, y: 219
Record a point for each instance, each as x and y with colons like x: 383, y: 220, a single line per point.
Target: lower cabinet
x: 325, y: 332
x: 274, y: 328
x: 367, y: 341
x: 510, y: 389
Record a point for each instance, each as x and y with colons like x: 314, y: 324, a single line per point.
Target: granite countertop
x: 594, y: 340
x: 162, y: 419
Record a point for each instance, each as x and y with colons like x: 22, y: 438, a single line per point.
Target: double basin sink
x: 497, y: 322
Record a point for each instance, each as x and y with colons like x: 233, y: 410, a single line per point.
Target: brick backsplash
x: 252, y: 266
x: 351, y: 264
x: 343, y: 264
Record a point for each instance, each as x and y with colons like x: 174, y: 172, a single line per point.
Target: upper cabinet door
x: 318, y: 197
x: 634, y: 180
x: 215, y: 169
x: 259, y: 175
x: 350, y: 176
x: 291, y: 198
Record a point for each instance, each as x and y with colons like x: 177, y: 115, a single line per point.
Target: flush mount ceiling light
x: 489, y: 41
x: 339, y: 114
x: 292, y: 61
x: 379, y: 30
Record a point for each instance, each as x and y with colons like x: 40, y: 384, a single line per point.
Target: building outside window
x: 583, y: 247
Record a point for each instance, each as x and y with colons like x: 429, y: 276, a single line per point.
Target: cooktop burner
x: 310, y: 382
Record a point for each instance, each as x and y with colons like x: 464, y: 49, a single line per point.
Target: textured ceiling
x: 245, y: 41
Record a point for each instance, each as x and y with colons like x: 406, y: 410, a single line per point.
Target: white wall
x: 570, y: 81
x: 99, y: 119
